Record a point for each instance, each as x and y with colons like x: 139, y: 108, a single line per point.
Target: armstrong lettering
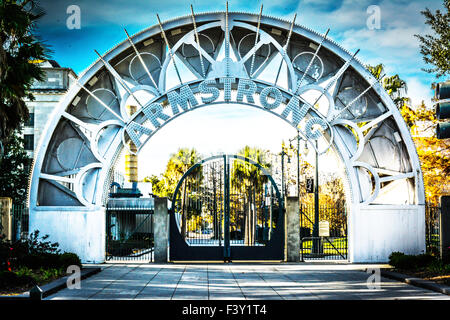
x: 293, y: 109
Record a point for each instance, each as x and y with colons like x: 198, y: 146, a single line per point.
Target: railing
x: 323, y: 248
x: 129, y: 235
x: 332, y: 247
x: 335, y: 246
x: 20, y: 221
x: 432, y: 238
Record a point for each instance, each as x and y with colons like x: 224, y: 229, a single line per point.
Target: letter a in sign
x: 135, y: 132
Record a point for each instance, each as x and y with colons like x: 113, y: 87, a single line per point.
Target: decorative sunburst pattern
x: 225, y: 57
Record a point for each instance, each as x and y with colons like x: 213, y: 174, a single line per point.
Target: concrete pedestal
x: 292, y: 230
x: 161, y: 230
x: 6, y: 218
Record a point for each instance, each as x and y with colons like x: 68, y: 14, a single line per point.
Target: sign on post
x: 324, y: 228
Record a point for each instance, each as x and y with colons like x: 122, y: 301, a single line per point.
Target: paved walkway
x: 239, y: 282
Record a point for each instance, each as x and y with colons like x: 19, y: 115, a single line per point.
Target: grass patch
x: 21, y: 280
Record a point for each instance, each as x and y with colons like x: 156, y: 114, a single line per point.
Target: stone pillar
x: 161, y: 230
x: 292, y: 230
x: 444, y: 226
x: 6, y: 218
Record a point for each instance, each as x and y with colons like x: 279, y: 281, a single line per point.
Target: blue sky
x: 102, y: 24
x: 394, y: 45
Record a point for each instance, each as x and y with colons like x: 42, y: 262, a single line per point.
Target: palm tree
x: 376, y: 71
x: 178, y: 164
x: 248, y: 180
x: 19, y: 52
x: 395, y: 87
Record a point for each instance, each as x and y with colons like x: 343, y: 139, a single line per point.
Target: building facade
x: 47, y: 94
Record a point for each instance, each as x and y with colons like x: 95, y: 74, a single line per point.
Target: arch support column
x: 76, y: 230
x: 375, y: 231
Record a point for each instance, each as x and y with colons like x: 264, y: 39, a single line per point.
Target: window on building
x: 28, y: 165
x: 30, y: 122
x: 29, y: 141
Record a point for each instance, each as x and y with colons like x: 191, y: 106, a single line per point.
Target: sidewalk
x: 240, y: 282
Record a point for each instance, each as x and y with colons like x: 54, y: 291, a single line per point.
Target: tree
x: 19, y: 52
x: 164, y: 186
x: 436, y: 48
x: 332, y: 199
x: 245, y: 175
x: 14, y: 170
x: 178, y: 164
x: 395, y: 87
x: 434, y: 154
x: 248, y: 180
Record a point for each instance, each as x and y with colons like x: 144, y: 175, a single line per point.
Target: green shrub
x: 400, y: 260
x: 68, y: 259
x: 438, y: 266
x: 38, y: 261
x: 24, y: 271
x: 50, y: 261
x: 10, y: 279
x: 423, y: 260
x: 49, y: 274
x: 35, y: 244
x: 5, y: 253
x: 35, y: 253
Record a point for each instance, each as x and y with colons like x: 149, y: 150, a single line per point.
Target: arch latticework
x: 282, y: 68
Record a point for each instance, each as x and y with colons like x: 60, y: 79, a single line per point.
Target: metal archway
x: 204, y: 59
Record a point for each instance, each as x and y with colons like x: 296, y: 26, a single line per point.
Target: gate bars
x: 223, y: 208
x: 332, y: 247
x: 129, y: 234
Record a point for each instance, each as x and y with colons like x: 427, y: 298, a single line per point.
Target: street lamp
x: 315, y: 246
x: 298, y: 160
x: 283, y: 189
x: 306, y: 149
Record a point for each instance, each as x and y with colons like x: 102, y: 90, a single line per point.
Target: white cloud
x: 418, y: 92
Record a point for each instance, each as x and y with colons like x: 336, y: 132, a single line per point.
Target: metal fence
x: 332, y: 246
x: 335, y: 246
x: 323, y: 248
x: 19, y: 221
x: 432, y: 234
x: 129, y: 235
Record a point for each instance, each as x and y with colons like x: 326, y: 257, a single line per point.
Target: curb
x: 418, y: 282
x: 54, y: 286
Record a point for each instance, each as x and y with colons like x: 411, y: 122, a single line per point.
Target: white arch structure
x: 210, y: 58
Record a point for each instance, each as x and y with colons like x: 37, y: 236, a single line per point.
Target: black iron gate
x: 129, y: 233
x: 225, y: 208
x: 330, y: 242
